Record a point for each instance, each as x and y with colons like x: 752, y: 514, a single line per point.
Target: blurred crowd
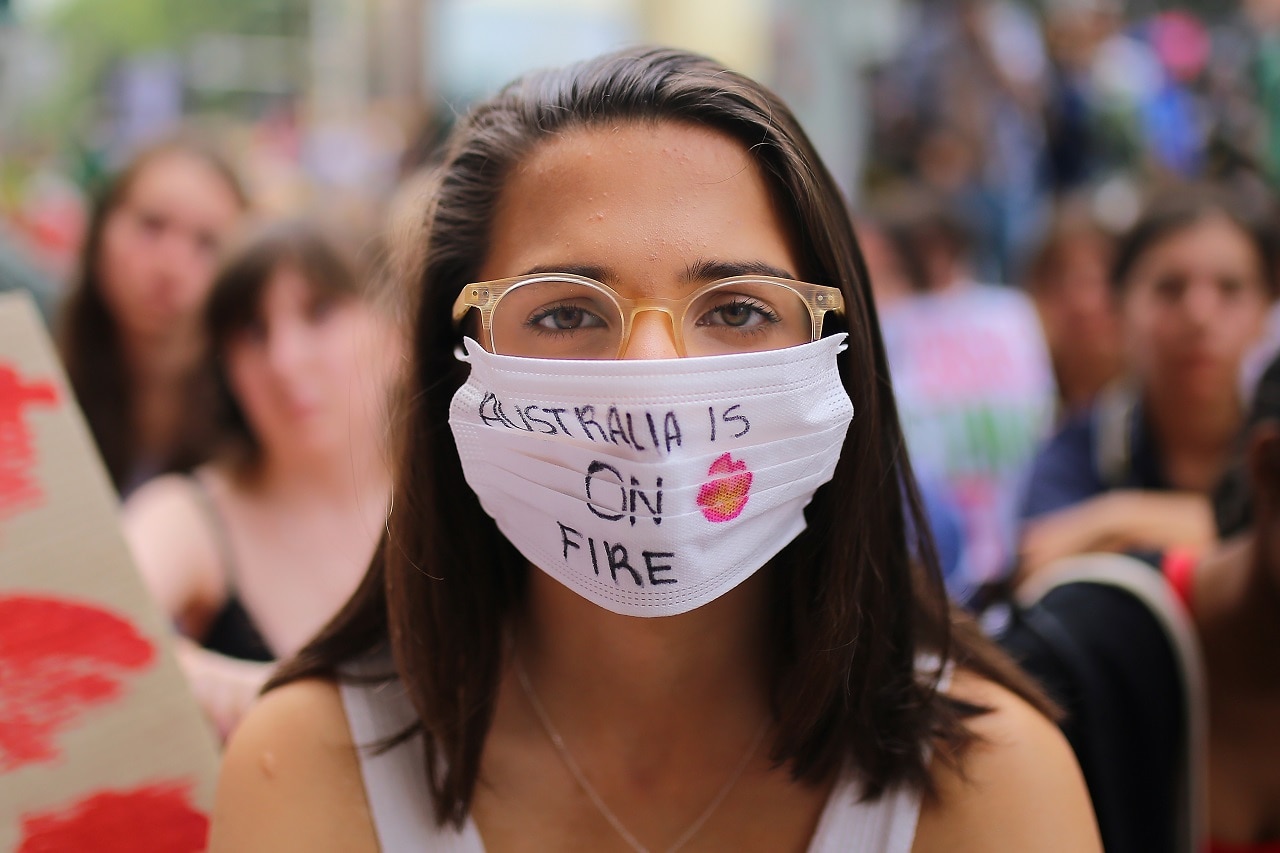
x: 1068, y: 220
x: 1013, y: 147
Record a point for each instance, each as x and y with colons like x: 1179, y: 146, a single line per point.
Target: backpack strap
x: 1149, y: 588
x: 1113, y: 416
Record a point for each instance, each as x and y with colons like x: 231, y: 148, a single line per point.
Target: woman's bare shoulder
x: 1017, y: 788
x: 291, y: 778
x: 174, y: 545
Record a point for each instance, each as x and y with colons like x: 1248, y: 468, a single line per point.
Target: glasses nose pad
x: 653, y: 335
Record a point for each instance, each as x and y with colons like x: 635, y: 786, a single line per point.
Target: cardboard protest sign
x: 102, y: 747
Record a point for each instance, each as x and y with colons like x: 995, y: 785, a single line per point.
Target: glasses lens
x: 551, y: 318
x: 746, y: 316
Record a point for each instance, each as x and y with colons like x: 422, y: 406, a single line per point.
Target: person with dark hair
x: 1233, y: 597
x: 1067, y: 279
x: 1194, y: 279
x: 129, y: 331
x: 1170, y: 684
x: 255, y: 550
x: 645, y: 583
x: 973, y: 381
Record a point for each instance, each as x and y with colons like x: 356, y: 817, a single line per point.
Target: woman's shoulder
x: 291, y: 777
x: 174, y: 541
x: 186, y: 501
x: 162, y: 494
x: 1017, y: 787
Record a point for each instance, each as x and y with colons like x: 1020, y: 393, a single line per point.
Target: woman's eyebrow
x: 709, y: 270
x: 591, y: 271
x: 698, y: 271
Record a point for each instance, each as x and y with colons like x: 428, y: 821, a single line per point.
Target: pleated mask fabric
x: 651, y: 487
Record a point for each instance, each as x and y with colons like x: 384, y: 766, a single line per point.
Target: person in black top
x: 256, y: 550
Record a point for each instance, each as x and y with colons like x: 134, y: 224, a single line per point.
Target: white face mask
x: 651, y: 487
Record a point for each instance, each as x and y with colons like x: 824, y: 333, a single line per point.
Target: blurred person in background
x: 1074, y: 32
x: 972, y: 377
x: 1264, y: 17
x: 1067, y: 279
x: 1194, y: 279
x: 1233, y: 597
x: 962, y: 109
x: 254, y: 551
x: 130, y: 331
x: 895, y: 275
x: 1171, y: 693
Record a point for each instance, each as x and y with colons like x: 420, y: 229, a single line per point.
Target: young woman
x: 1067, y: 279
x: 1194, y: 279
x: 257, y: 549
x: 130, y: 333
x: 645, y: 583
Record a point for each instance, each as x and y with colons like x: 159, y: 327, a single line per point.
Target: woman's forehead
x: 1209, y: 244
x: 599, y: 195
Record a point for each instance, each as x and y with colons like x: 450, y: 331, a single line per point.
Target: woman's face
x: 1194, y: 304
x: 160, y: 245
x: 650, y: 210
x: 1074, y: 299
x: 311, y: 372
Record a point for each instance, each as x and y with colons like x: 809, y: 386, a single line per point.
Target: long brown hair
x: 850, y: 612
x: 89, y: 339
x: 235, y: 303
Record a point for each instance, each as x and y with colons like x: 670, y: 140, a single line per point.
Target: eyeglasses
x: 560, y: 315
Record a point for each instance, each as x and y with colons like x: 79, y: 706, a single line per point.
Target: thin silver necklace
x: 592, y: 794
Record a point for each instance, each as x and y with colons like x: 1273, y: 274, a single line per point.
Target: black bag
x: 1114, y: 648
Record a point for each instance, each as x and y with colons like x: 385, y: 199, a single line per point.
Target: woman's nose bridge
x: 653, y: 333
x: 1201, y: 301
x: 284, y: 345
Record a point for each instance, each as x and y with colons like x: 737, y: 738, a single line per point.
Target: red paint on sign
x: 18, y: 490
x: 58, y: 661
x: 154, y: 819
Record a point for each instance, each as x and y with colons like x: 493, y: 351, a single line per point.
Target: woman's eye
x: 564, y: 318
x: 150, y: 224
x: 207, y: 243
x: 739, y: 314
x: 319, y: 310
x: 1170, y: 288
x: 1231, y: 287
x: 253, y: 333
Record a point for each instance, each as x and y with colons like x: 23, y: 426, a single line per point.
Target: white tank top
x: 395, y: 785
